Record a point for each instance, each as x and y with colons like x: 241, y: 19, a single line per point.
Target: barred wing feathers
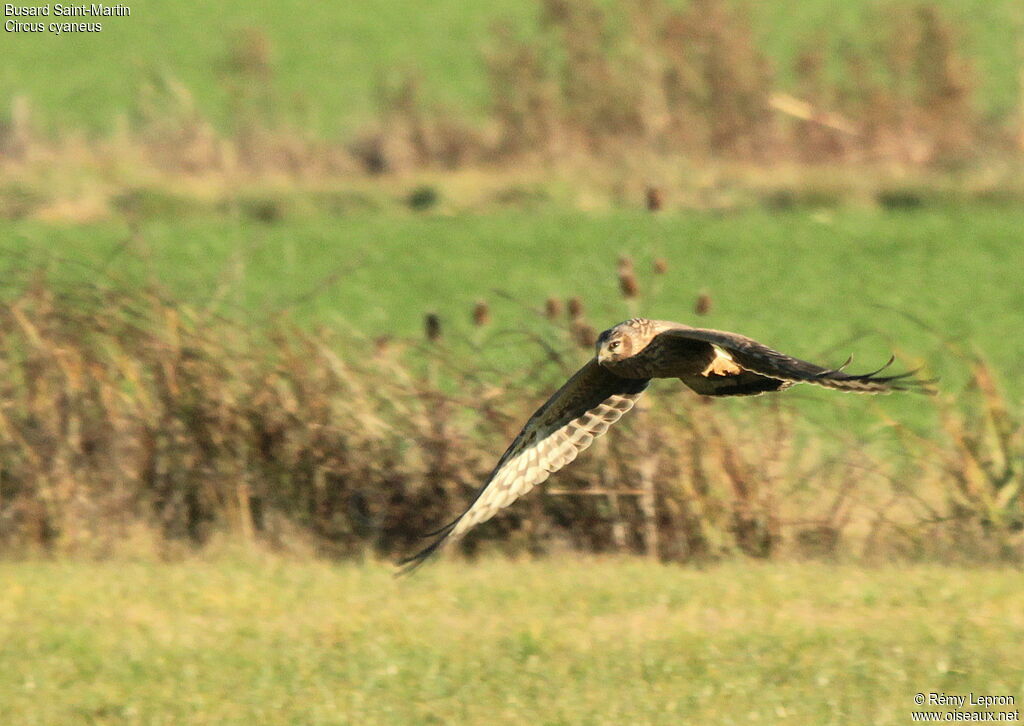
x: 580, y: 411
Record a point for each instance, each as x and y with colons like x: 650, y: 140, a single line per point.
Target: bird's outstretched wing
x: 580, y: 411
x: 752, y: 368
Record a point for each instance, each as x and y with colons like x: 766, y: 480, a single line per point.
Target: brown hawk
x: 711, y: 362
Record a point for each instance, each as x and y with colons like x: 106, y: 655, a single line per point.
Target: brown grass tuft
x: 481, y: 313
x: 432, y: 327
x: 584, y: 334
x: 628, y: 285
x: 574, y: 307
x: 654, y: 198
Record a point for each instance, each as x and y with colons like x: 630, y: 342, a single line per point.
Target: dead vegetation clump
x: 694, y: 82
x: 124, y: 412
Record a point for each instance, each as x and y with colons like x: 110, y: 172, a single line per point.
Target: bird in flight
x: 628, y: 356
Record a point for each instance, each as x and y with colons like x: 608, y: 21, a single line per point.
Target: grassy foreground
x: 602, y: 641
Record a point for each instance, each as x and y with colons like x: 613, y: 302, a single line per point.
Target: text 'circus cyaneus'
x: 711, y: 362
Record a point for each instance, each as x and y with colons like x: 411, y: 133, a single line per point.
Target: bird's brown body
x: 628, y: 356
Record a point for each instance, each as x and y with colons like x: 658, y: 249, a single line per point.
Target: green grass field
x: 597, y: 641
x: 328, y: 58
x: 819, y: 285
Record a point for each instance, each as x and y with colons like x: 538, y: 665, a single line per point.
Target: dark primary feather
x: 760, y: 359
x: 577, y: 413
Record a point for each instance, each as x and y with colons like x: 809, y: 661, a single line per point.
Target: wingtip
x: 907, y: 382
x: 409, y: 565
x: 444, y: 529
x: 839, y: 369
x: 874, y: 383
x: 919, y: 385
x: 872, y: 374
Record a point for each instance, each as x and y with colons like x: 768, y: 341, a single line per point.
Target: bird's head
x: 616, y: 343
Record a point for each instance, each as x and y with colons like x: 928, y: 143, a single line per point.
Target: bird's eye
x: 613, y: 345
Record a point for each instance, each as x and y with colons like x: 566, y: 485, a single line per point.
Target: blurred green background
x: 329, y: 58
